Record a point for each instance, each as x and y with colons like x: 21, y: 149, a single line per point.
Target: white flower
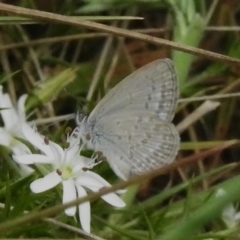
x: 12, y: 119
x: 68, y: 168
x: 230, y: 216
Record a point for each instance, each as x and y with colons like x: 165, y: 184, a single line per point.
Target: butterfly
x: 131, y: 126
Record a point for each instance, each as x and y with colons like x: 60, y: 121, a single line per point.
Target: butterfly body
x: 131, y: 126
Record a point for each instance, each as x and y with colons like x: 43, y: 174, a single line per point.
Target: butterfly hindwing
x: 134, y: 142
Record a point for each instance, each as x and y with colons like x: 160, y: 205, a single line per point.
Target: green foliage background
x: 63, y: 67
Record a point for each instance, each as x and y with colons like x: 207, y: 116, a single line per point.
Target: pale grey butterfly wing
x: 153, y: 88
x: 136, y: 141
x: 131, y: 124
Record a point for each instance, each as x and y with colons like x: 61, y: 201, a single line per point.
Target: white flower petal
x: 237, y: 216
x: 20, y: 148
x: 1, y: 92
x: 85, y: 160
x: 36, y: 140
x: 5, y: 138
x: 31, y: 159
x: 90, y: 180
x: 69, y: 194
x: 220, y: 192
x: 121, y: 191
x: 26, y: 170
x: 229, y: 212
x: 86, y: 180
x: 47, y: 182
x: 9, y: 115
x: 78, y: 162
x: 228, y: 216
x: 98, y: 178
x: 21, y: 107
x: 57, y: 151
x: 114, y: 200
x: 84, y: 210
x: 72, y: 152
x: 111, y: 198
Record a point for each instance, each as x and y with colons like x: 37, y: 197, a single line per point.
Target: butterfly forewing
x: 152, y: 88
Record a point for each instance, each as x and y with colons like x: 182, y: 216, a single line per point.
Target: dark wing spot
x: 132, y: 147
x: 148, y: 135
x: 131, y: 155
x: 155, y: 154
x: 144, y: 141
x: 136, y: 127
x: 146, y: 105
x: 156, y: 127
x: 149, y: 97
x: 160, y: 106
x: 139, y: 119
x: 118, y: 122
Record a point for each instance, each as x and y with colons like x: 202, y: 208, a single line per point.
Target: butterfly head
x: 84, y: 131
x: 80, y: 117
